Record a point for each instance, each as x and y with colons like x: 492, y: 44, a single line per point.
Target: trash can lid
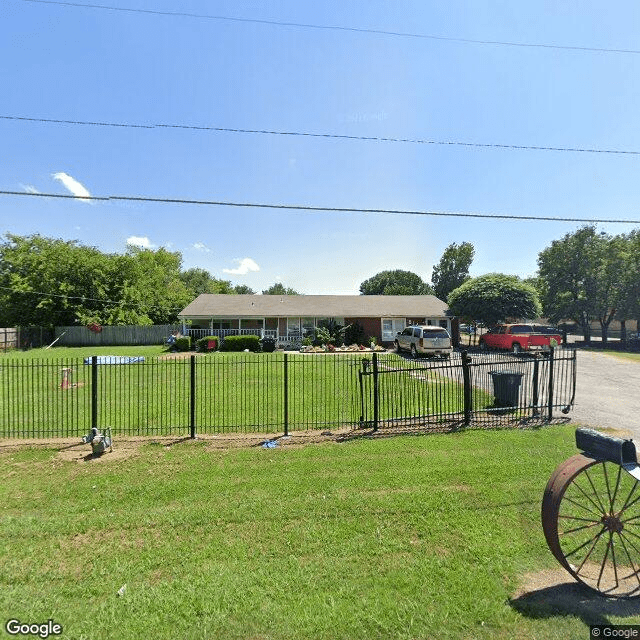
x: 506, y: 372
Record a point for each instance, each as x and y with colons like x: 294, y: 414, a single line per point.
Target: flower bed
x: 329, y: 348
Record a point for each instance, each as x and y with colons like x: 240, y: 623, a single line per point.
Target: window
x: 293, y: 326
x: 308, y: 325
x: 435, y: 334
x: 521, y: 328
x: 416, y: 333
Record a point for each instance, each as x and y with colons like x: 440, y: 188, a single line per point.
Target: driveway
x: 608, y: 393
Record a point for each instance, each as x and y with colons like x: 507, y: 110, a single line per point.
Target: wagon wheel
x: 591, y: 520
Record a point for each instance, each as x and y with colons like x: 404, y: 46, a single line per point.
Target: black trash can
x: 506, y: 387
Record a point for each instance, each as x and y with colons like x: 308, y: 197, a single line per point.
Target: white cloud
x: 72, y: 185
x: 140, y: 241
x: 245, y: 265
x: 201, y: 246
x: 29, y: 188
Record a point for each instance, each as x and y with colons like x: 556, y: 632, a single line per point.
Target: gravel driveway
x: 608, y: 393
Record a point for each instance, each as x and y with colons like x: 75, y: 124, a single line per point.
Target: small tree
x: 494, y: 298
x: 329, y: 332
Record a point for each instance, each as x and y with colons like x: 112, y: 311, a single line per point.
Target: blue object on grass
x: 269, y: 444
x: 115, y: 359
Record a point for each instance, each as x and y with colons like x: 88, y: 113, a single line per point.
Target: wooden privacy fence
x: 8, y: 338
x: 111, y: 336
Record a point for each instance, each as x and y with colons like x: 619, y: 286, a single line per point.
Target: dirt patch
x: 82, y: 453
x: 553, y: 592
x: 179, y: 355
x: 124, y: 447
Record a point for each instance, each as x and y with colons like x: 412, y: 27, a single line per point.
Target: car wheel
x: 414, y: 351
x: 516, y: 348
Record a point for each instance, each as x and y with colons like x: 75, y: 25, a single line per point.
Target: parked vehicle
x: 424, y: 339
x: 520, y: 337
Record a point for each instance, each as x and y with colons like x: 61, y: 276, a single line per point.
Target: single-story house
x: 289, y: 318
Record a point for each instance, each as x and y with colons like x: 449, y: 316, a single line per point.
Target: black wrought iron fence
x: 481, y: 390
x: 226, y: 392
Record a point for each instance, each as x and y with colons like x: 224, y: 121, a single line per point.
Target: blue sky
x: 73, y: 63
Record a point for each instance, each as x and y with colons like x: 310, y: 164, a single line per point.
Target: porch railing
x: 288, y: 338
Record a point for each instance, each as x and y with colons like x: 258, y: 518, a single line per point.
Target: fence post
x: 466, y: 382
x: 550, y: 402
x: 286, y: 394
x: 94, y: 392
x: 536, y: 383
x: 361, y: 396
x: 192, y: 404
x: 376, y: 413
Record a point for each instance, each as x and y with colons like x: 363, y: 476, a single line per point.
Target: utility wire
x: 307, y: 134
x: 303, y: 25
x: 129, y: 303
x: 313, y: 208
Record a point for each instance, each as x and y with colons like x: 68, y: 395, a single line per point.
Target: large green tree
x: 453, y: 269
x: 53, y: 282
x: 199, y: 280
x: 395, y: 283
x: 629, y: 306
x: 48, y: 282
x: 582, y: 276
x: 243, y: 289
x: 155, y: 283
x: 494, y: 298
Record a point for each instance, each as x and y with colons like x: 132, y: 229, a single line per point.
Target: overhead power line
x: 309, y: 134
x: 327, y: 27
x: 136, y: 305
x: 315, y: 208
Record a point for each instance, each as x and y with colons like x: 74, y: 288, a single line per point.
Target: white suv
x: 429, y: 340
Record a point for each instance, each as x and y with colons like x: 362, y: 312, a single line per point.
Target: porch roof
x: 209, y: 305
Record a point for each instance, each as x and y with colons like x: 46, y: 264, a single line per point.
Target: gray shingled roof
x: 209, y: 305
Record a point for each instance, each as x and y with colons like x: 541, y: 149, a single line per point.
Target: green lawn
x: 406, y: 537
x: 62, y: 353
x: 233, y: 392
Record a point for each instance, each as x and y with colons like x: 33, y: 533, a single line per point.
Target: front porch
x: 286, y: 331
x: 197, y: 333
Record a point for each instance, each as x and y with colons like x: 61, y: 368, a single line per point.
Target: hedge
x: 240, y: 343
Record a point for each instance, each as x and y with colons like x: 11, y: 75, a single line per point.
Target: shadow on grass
x: 411, y: 428
x: 574, y: 599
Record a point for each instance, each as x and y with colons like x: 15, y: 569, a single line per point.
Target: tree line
x: 585, y: 276
x: 50, y: 282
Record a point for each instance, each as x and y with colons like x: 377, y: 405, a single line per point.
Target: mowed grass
x: 233, y: 392
x: 405, y: 537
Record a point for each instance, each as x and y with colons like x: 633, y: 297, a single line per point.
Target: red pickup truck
x: 520, y: 337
